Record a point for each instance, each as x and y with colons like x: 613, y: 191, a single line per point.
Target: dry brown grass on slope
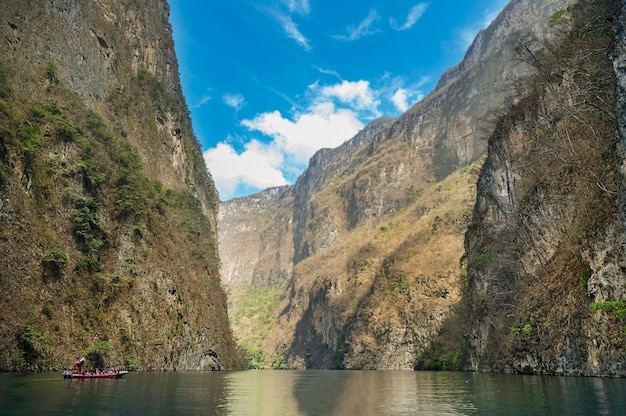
x: 407, y: 259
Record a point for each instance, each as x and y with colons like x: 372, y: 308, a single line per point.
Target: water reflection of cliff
x: 345, y: 393
x: 309, y: 393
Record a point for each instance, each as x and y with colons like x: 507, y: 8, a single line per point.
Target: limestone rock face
x: 108, y: 218
x: 255, y: 238
x: 373, y: 229
x: 545, y: 249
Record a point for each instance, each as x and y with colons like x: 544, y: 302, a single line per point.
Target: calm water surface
x: 311, y: 393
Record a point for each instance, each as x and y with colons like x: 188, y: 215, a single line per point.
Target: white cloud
x: 399, y: 99
x: 333, y: 116
x: 405, y: 97
x: 293, y: 141
x: 236, y: 101
x: 321, y: 126
x: 257, y: 166
x: 291, y: 29
x: 365, y: 28
x: 357, y: 93
x: 414, y: 15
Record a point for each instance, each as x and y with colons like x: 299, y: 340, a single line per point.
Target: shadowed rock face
x: 546, y: 244
x: 364, y: 248
x: 108, y: 219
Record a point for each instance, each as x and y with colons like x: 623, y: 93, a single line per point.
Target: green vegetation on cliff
x: 108, y: 216
x: 527, y: 308
x: 97, y: 258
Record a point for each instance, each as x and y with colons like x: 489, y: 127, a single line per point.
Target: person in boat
x: 78, y: 364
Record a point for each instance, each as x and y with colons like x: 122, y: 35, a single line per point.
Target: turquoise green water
x: 311, y: 393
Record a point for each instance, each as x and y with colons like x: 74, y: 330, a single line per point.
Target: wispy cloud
x: 327, y: 71
x: 292, y: 31
x: 236, y: 101
x: 199, y: 103
x: 364, y: 28
x: 414, y: 15
x: 302, y: 7
x: 284, y: 13
x: 279, y: 93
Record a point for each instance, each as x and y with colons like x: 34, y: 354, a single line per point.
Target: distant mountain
x: 362, y: 262
x: 108, y: 228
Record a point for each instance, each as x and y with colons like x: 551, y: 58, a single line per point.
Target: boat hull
x: 91, y: 375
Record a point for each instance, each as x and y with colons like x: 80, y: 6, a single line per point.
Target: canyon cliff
x: 108, y: 218
x: 382, y: 254
x: 545, y: 286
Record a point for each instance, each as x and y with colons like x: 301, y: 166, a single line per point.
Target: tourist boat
x: 93, y: 374
x: 78, y: 372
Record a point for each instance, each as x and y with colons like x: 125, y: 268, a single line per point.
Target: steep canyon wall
x: 545, y: 289
x: 108, y: 218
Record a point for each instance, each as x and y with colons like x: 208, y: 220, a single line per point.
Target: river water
x: 276, y: 393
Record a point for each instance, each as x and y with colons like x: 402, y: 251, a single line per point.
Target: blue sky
x: 270, y: 82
